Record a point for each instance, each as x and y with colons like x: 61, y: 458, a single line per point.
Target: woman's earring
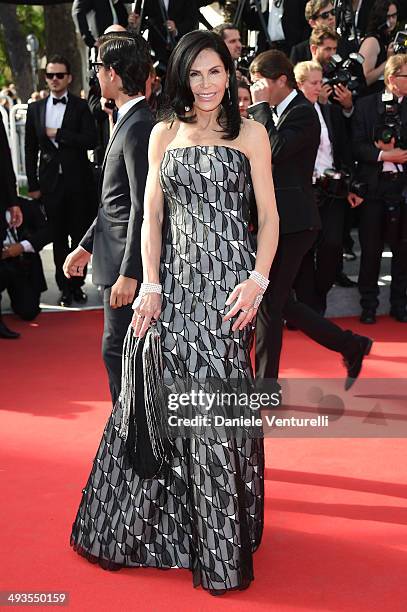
x: 228, y: 94
x: 187, y: 109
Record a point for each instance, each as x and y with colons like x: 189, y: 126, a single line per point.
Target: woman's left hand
x: 244, y: 296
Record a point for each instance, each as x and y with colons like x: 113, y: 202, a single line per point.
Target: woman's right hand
x: 146, y: 313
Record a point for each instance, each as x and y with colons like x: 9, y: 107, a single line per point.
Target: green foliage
x: 31, y: 19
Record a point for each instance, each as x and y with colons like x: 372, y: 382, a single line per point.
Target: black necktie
x: 57, y: 100
x: 274, y: 111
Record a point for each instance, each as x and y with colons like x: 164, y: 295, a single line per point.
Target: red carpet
x: 336, y: 514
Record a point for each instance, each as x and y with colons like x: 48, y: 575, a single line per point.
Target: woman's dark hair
x: 129, y: 55
x: 243, y: 85
x: 378, y: 16
x: 178, y: 94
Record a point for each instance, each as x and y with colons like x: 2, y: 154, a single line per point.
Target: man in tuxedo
x: 383, y: 216
x: 285, y: 22
x: 8, y: 203
x: 318, y: 13
x: 167, y: 21
x: 60, y: 130
x: 21, y: 271
x: 95, y: 16
x: 123, y: 67
x: 294, y: 131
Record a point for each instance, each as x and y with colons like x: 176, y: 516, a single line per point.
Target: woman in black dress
x: 203, y: 282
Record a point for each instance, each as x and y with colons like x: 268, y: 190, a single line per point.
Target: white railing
x: 18, y: 114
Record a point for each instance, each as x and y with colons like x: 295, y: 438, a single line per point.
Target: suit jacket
x: 114, y: 236
x: 295, y: 27
x: 367, y: 115
x: 183, y: 12
x: 8, y: 194
x: 301, y: 52
x: 294, y: 146
x: 36, y: 230
x: 94, y: 16
x: 76, y: 135
x: 339, y: 137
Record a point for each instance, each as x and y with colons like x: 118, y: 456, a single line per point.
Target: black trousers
x: 372, y: 236
x: 19, y: 278
x: 319, y: 267
x: 116, y: 323
x: 279, y: 303
x: 68, y: 213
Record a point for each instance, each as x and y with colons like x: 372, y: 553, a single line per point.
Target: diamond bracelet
x: 259, y: 279
x: 146, y: 288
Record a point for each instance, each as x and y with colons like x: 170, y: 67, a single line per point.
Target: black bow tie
x: 57, y: 100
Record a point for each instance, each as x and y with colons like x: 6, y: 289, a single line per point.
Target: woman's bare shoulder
x: 161, y: 135
x: 254, y: 135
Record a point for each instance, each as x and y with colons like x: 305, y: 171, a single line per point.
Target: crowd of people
x: 220, y: 210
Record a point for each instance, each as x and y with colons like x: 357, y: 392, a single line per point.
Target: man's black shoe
x: 344, y: 281
x: 79, y: 295
x: 7, y: 333
x: 354, y: 363
x: 65, y: 299
x: 399, y: 314
x: 368, y: 317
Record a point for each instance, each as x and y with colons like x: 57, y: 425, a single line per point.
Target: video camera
x: 347, y: 72
x: 390, y: 125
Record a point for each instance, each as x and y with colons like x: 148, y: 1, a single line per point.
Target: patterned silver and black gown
x: 206, y: 512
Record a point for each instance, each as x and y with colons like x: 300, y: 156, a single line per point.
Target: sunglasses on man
x: 326, y: 14
x: 56, y: 75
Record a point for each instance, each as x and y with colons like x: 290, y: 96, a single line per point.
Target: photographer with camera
x: 337, y: 79
x: 318, y: 13
x: 380, y: 143
x: 333, y: 190
x: 377, y: 47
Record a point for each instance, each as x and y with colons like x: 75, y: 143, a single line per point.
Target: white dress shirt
x: 324, y: 158
x: 54, y: 113
x: 10, y: 238
x: 281, y: 107
x: 274, y: 24
x: 124, y: 109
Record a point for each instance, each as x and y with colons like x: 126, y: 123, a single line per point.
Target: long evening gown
x: 206, y: 512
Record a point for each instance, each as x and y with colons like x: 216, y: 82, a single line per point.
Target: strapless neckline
x: 198, y: 146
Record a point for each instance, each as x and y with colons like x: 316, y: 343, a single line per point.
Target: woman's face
x: 208, y: 80
x: 244, y: 100
x: 311, y: 87
x: 391, y: 17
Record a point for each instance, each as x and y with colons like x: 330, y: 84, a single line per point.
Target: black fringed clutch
x: 143, y: 400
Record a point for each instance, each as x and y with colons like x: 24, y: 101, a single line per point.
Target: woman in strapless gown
x: 203, y: 512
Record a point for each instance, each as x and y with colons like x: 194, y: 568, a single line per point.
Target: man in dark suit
x: 123, y: 68
x: 294, y: 131
x: 319, y: 13
x: 8, y: 202
x: 21, y: 271
x: 285, y: 22
x: 167, y: 21
x: 319, y: 266
x: 383, y: 217
x: 61, y: 130
x: 95, y: 16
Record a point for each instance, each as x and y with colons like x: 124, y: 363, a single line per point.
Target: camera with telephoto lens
x: 247, y: 56
x: 400, y: 42
x: 338, y: 184
x: 390, y: 125
x: 347, y: 72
